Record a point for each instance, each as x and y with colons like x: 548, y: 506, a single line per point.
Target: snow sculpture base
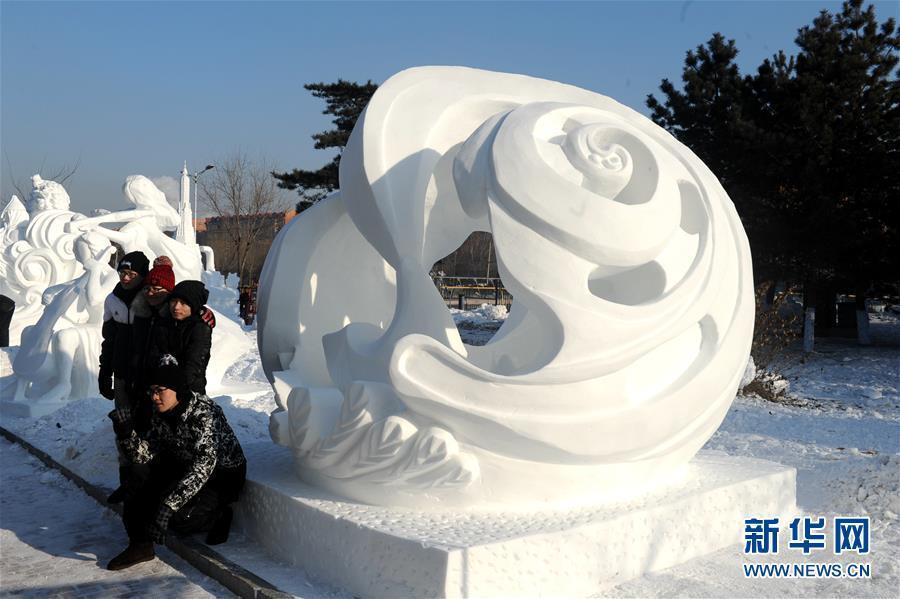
x: 29, y: 409
x: 9, y: 406
x: 383, y: 552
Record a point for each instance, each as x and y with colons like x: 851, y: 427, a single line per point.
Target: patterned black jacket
x: 195, y: 433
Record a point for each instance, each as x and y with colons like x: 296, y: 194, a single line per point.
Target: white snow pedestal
x: 32, y: 408
x: 384, y: 552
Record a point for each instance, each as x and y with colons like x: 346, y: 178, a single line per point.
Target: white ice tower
x: 185, y: 231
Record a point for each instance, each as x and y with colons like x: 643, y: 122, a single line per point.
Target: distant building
x: 254, y: 231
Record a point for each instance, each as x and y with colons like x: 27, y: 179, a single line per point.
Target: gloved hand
x: 157, y: 528
x: 105, y: 382
x: 208, y: 317
x: 122, y: 423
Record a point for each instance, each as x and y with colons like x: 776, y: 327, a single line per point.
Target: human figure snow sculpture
x: 145, y: 227
x: 58, y: 356
x: 35, y: 249
x: 629, y: 332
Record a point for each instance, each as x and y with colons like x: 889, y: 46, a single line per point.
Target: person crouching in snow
x: 196, y: 467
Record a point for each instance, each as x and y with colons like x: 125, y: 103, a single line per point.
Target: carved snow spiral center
x: 606, y: 165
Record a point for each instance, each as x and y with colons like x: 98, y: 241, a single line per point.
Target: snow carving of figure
x: 46, y: 195
x: 36, y: 249
x: 630, y: 328
x: 59, y: 355
x: 145, y: 227
x: 13, y: 220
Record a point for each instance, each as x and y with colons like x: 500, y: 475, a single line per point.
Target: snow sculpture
x: 54, y: 265
x: 46, y: 195
x: 632, y: 315
x: 59, y: 355
x: 36, y: 251
x: 145, y: 227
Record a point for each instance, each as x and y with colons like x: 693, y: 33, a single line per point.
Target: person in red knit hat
x: 159, y: 281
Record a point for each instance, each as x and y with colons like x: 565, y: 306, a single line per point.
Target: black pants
x: 7, y: 306
x: 197, y: 515
x: 139, y: 404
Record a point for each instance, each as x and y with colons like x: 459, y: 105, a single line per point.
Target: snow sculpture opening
x: 632, y: 315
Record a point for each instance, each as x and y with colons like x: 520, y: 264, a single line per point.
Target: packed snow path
x: 56, y: 541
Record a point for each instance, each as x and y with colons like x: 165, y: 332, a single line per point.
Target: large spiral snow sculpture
x: 627, y: 339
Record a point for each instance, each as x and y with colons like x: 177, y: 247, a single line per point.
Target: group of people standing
x: 180, y: 464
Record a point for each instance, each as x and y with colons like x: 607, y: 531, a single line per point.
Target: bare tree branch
x: 61, y: 175
x: 249, y: 207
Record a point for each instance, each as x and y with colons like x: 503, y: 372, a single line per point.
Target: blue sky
x: 135, y: 87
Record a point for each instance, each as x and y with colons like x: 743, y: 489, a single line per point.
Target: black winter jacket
x: 190, y: 341
x: 116, y: 348
x: 196, y: 434
x: 146, y: 321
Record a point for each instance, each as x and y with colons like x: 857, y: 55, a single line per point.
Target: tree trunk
x: 863, y: 336
x: 826, y: 313
x: 809, y: 316
x: 809, y: 329
x: 770, y: 295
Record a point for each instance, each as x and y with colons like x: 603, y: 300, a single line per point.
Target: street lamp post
x: 194, y: 177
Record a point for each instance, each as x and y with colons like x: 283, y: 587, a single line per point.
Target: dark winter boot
x: 218, y: 534
x: 135, y: 553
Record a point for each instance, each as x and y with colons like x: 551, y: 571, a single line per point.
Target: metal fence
x: 460, y: 292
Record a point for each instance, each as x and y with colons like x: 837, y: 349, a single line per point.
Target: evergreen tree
x: 713, y: 116
x: 846, y: 136
x: 345, y: 100
x: 709, y: 109
x: 808, y: 149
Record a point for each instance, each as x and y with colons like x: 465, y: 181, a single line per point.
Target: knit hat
x: 193, y: 293
x: 160, y: 275
x: 167, y: 374
x: 162, y: 261
x: 135, y: 261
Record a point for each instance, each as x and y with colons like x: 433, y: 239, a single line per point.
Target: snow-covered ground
x: 476, y: 327
x: 838, y: 424
x: 55, y: 541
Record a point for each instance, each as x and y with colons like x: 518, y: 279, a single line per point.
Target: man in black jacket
x: 151, y: 314
x: 196, y: 467
x: 116, y: 348
x: 185, y: 335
